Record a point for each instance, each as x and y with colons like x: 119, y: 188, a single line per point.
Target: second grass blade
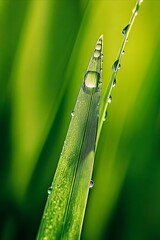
x: 65, y: 207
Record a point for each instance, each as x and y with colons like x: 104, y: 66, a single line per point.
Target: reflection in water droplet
x: 49, y: 189
x: 72, y: 113
x: 116, y: 65
x: 91, y: 184
x: 125, y: 29
x: 96, y: 54
x: 98, y: 47
x: 91, y: 79
x: 123, y: 52
x: 114, y: 82
x: 110, y: 99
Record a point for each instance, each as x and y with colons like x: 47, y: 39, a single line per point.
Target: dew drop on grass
x: 72, y: 113
x: 91, y: 184
x: 91, y: 79
x: 49, y: 189
x: 98, y: 47
x: 125, y: 29
x: 96, y: 54
x: 110, y: 99
x: 114, y: 82
x: 116, y: 65
x: 123, y: 52
x: 104, y: 119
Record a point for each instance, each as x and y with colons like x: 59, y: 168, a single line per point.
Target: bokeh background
x: 45, y: 47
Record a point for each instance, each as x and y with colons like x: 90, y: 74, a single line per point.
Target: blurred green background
x: 45, y: 47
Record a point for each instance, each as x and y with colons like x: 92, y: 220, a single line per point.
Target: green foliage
x: 45, y: 47
x: 65, y: 207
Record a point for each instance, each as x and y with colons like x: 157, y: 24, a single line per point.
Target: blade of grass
x: 116, y: 66
x: 65, y: 207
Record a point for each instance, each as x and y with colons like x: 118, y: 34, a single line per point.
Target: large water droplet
x: 125, y: 29
x: 114, y: 82
x: 49, y: 189
x: 96, y: 54
x: 98, y: 47
x: 91, y: 79
x: 91, y: 184
x: 116, y: 65
x: 110, y: 99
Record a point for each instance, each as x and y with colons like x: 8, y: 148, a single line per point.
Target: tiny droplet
x: 114, y: 82
x: 49, y: 189
x: 98, y: 47
x: 116, y: 65
x: 125, y: 29
x: 123, y: 52
x: 104, y: 119
x: 96, y: 54
x: 110, y: 99
x: 72, y: 113
x: 91, y: 184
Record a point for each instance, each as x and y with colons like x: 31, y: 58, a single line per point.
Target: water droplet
x: 123, y: 52
x: 114, y: 82
x: 91, y: 79
x: 91, y: 184
x: 104, y: 119
x: 96, y: 54
x: 49, y: 189
x: 136, y: 9
x: 126, y: 39
x: 72, y: 113
x: 110, y: 99
x: 125, y: 29
x: 116, y: 65
x: 98, y: 47
x: 119, y: 66
x: 136, y: 13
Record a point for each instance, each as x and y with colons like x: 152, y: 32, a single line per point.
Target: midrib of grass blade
x: 62, y: 218
x: 106, y: 99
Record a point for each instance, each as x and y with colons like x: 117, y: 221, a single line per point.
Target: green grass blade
x: 116, y: 65
x: 65, y: 207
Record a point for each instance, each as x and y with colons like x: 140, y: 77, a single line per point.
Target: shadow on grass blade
x: 66, y: 203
